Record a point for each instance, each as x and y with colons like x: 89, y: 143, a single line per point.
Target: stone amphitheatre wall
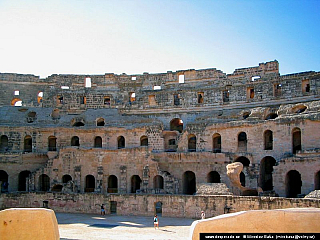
x: 145, y: 204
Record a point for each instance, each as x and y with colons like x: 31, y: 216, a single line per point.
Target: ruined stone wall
x: 135, y: 204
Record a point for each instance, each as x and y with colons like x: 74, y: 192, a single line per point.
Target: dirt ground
x: 89, y: 226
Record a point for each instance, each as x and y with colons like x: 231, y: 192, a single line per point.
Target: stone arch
x: 144, y: 141
x: 216, y: 143
x: 299, y: 108
x: 213, y: 177
x: 66, y: 178
x: 293, y: 184
x: 28, y: 143
x: 317, y: 181
x: 44, y: 182
x: 268, y: 140
x: 22, y: 182
x: 4, y: 177
x: 90, y: 183
x: 98, y: 142
x: 16, y: 102
x: 100, y: 122
x: 266, y: 170
x: 189, y: 183
x: 52, y: 143
x: 112, y: 184
x: 271, y: 116
x: 4, y: 143
x: 75, y: 141
x: 242, y: 141
x: 192, y: 143
x: 158, y: 183
x: 296, y: 140
x: 121, y: 142
x: 245, y: 161
x: 176, y: 124
x: 135, y: 183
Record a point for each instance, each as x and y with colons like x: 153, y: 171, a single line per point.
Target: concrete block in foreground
x: 291, y: 220
x: 28, y: 224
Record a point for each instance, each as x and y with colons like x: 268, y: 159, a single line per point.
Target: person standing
x: 103, y: 211
x: 203, y: 215
x: 156, y: 221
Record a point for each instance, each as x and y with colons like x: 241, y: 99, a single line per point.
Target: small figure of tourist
x: 156, y: 222
x: 203, y: 215
x: 103, y: 211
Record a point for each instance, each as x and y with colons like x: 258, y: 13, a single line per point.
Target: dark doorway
x: 245, y: 161
x: 113, y: 207
x: 121, y: 142
x: 213, y: 177
x: 4, y: 143
x: 158, y: 183
x: 189, y: 183
x: 112, y: 184
x: 75, y: 141
x: 4, y: 181
x: 52, y: 143
x: 98, y: 142
x: 135, y: 183
x: 28, y: 144
x: 90, y: 183
x: 268, y: 140
x: 317, y: 181
x: 293, y: 184
x: 242, y: 179
x: 296, y: 140
x: 44, y: 183
x: 23, y: 177
x: 216, y: 143
x: 242, y: 141
x: 144, y: 141
x: 192, y: 143
x: 266, y: 170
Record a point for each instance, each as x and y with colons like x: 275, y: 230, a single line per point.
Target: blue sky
x: 122, y: 36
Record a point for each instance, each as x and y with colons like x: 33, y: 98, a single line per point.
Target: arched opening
x: 78, y: 124
x: 52, y: 143
x: 296, y: 140
x: 144, y: 141
x: 32, y: 116
x: 245, y: 161
x: 90, y: 183
x: 75, y: 141
x: 158, y: 183
x: 16, y: 102
x: 4, y: 181
x: 266, y: 170
x: 176, y: 124
x: 268, y: 140
x: 44, y: 183
x: 242, y: 179
x: 28, y: 144
x: 112, y: 184
x: 4, y: 143
x: 271, y: 116
x: 317, y: 181
x: 299, y: 109
x: 135, y: 183
x: 216, y: 143
x: 23, y: 177
x: 121, y: 142
x: 66, y: 178
x: 189, y: 183
x: 242, y: 141
x: 158, y: 208
x: 98, y: 142
x: 293, y: 184
x: 192, y: 143
x: 213, y: 177
x: 57, y: 188
x: 100, y: 122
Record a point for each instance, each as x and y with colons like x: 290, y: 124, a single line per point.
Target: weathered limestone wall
x: 144, y: 204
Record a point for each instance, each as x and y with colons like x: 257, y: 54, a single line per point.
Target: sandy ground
x: 89, y: 226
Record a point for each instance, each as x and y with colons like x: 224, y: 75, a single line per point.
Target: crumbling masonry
x: 167, y: 133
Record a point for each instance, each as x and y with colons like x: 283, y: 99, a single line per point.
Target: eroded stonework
x: 161, y: 133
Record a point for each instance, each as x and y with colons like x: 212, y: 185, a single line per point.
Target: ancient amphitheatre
x: 160, y: 143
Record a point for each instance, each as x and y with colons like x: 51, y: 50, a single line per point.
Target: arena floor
x: 90, y: 226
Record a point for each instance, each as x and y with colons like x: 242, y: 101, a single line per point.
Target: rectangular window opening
x: 181, y: 78
x: 200, y: 97
x: 16, y: 92
x: 88, y: 82
x: 106, y: 100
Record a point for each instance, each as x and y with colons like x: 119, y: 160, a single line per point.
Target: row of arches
x: 293, y: 182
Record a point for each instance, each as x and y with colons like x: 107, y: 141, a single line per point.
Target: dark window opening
x: 176, y: 124
x: 75, y: 141
x: 23, y: 180
x: 28, y: 144
x: 271, y: 116
x: 144, y: 141
x: 245, y: 161
x: 135, y: 183
x: 100, y: 122
x: 90, y: 183
x: 192, y: 143
x: 106, y: 101
x: 112, y: 184
x: 158, y: 183
x: 44, y: 183
x: 293, y: 184
x: 78, y: 124
x: 200, y: 97
x: 66, y: 178
x: 213, y: 177
x: 216, y: 143
x: 266, y: 170
x: 189, y: 183
x: 52, y: 143
x: 4, y: 181
x: 296, y: 140
x: 176, y: 99
x: 225, y: 95
x: 317, y: 181
x: 121, y: 142
x: 268, y: 140
x: 242, y: 141
x: 4, y: 146
x: 98, y: 142
x: 242, y: 179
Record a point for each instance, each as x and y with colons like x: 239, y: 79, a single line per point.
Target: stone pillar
x: 99, y: 180
x: 123, y: 179
x: 77, y: 179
